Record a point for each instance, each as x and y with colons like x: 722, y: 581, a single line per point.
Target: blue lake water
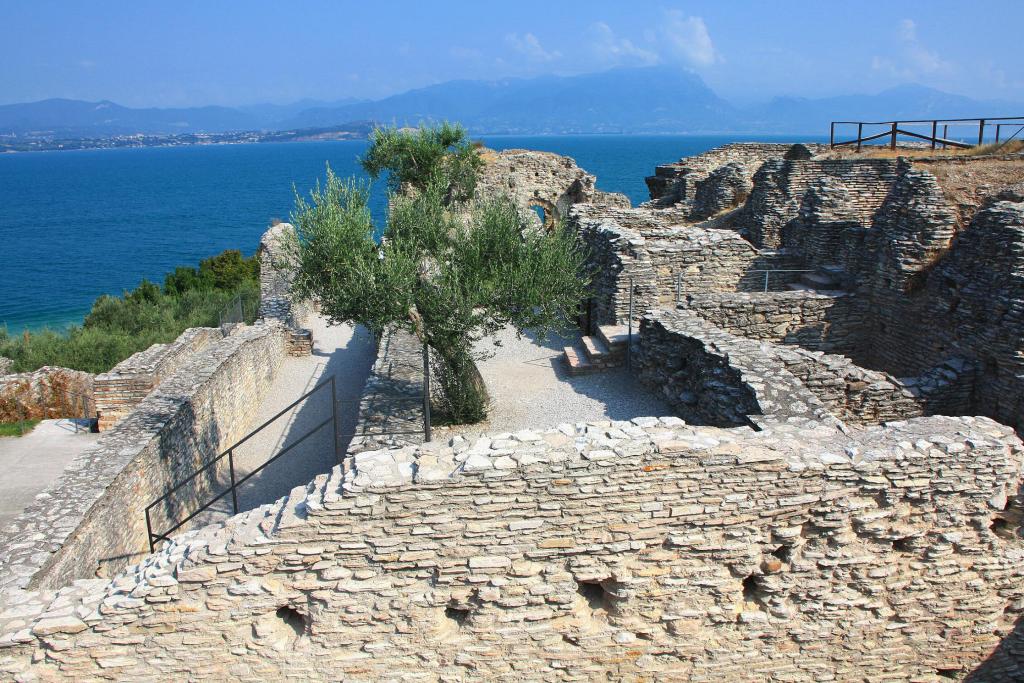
x: 75, y: 225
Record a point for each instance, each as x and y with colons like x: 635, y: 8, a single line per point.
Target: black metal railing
x: 235, y: 482
x: 893, y: 129
x: 232, y: 489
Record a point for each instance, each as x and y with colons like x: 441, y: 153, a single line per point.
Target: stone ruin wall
x: 780, y: 187
x: 713, y: 376
x: 937, y: 272
x: 821, y: 321
x: 276, y: 302
x: 542, y: 179
x: 117, y: 392
x: 47, y: 392
x: 630, y: 550
x: 662, y: 259
x: 678, y: 183
x: 92, y: 518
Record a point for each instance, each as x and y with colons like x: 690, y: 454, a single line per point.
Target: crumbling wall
x: 678, y: 182
x: 276, y: 300
x: 966, y: 301
x: 614, y: 551
x: 712, y: 377
x: 725, y: 188
x: 781, y: 187
x: 117, y: 392
x: 663, y: 262
x: 542, y: 179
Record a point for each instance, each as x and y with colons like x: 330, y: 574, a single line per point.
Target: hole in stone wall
x: 751, y: 589
x: 541, y: 214
x: 902, y: 545
x: 949, y: 673
x: 1001, y: 528
x: 456, y: 615
x: 291, y: 618
x: 783, y: 552
x: 595, y: 594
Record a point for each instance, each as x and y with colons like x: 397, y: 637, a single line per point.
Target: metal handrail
x: 154, y: 538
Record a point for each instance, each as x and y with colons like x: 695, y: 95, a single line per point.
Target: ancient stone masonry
x: 391, y: 409
x: 782, y: 186
x: 680, y: 182
x: 276, y: 301
x: 542, y: 179
x: 616, y: 551
x: 824, y: 321
x: 117, y: 392
x: 47, y: 392
x: 92, y: 518
x: 664, y: 261
x: 5, y: 365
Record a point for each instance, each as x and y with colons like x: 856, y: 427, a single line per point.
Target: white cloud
x: 688, y: 39
x: 528, y: 45
x: 913, y: 59
x: 613, y: 49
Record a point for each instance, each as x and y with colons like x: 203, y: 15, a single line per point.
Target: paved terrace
x: 31, y: 462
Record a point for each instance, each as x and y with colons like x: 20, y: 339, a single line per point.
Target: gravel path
x: 530, y: 388
x: 344, y: 352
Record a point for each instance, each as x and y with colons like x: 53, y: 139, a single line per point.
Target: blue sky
x: 185, y: 53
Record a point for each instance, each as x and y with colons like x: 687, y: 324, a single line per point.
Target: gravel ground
x: 530, y: 388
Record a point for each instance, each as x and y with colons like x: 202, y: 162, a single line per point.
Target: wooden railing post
x: 945, y: 134
x: 892, y: 141
x: 998, y: 126
x: 832, y: 135
x: 981, y: 132
x: 860, y: 134
x: 935, y: 127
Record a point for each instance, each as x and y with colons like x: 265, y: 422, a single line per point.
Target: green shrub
x: 117, y: 327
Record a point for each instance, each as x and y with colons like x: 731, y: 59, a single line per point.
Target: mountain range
x: 656, y: 99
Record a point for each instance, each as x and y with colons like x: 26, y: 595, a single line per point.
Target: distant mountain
x: 649, y: 99
x: 271, y: 115
x: 656, y: 99
x: 74, y: 118
x: 911, y: 101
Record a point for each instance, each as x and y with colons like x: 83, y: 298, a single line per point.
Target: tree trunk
x: 462, y: 395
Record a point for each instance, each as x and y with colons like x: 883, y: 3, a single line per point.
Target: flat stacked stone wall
x: 781, y: 186
x: 276, y: 300
x: 678, y: 182
x: 92, y: 519
x: 664, y: 261
x: 831, y: 322
x: 117, y: 392
x: 712, y: 377
x: 609, y: 550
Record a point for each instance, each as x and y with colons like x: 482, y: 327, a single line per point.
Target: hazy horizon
x: 195, y: 54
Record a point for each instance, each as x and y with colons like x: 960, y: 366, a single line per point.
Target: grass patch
x: 17, y: 428
x: 117, y: 327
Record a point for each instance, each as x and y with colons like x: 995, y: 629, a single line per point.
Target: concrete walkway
x: 530, y: 388
x: 343, y: 352
x: 32, y: 462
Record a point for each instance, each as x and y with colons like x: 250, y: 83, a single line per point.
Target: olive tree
x: 449, y: 266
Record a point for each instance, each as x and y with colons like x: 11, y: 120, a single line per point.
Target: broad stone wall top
x: 600, y: 550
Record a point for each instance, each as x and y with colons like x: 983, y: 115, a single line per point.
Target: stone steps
x: 606, y: 349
